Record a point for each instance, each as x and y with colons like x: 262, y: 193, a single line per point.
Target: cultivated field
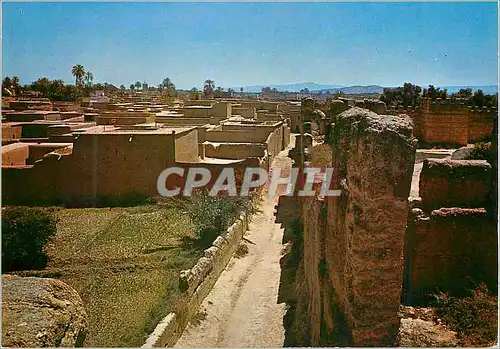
x: 124, y: 263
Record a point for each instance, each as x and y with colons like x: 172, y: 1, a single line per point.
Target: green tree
x: 479, y: 99
x: 16, y: 87
x: 138, y: 85
x: 42, y: 86
x: 169, y: 87
x: 56, y: 90
x: 132, y: 87
x: 25, y: 231
x: 208, y: 87
x: 407, y: 95
x: 88, y: 78
x: 78, y: 72
x: 7, y: 86
x: 122, y: 87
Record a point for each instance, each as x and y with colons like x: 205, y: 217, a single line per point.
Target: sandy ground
x: 242, y: 310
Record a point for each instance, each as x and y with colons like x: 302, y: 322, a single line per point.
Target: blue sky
x: 240, y: 44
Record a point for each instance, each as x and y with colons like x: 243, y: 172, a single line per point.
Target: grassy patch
x: 124, y: 262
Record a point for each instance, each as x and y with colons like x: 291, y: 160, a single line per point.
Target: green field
x: 124, y: 263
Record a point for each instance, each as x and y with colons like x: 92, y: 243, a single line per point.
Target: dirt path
x: 242, y: 310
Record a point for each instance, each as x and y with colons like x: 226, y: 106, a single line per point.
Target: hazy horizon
x: 245, y: 44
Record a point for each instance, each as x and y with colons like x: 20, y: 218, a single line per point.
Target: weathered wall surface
x: 451, y: 239
x: 455, y: 183
x: 451, y: 123
x: 449, y: 250
x: 236, y: 136
x: 112, y: 165
x: 480, y: 126
x: 347, y: 257
x: 40, y: 312
x: 186, y: 146
x: 445, y: 125
x: 11, y: 132
x: 15, y: 154
x: 365, y: 228
x: 234, y: 150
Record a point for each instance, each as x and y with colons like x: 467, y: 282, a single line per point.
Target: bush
x: 474, y: 317
x: 212, y: 215
x: 483, y: 151
x: 25, y: 230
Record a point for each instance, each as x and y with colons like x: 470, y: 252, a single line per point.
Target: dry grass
x: 124, y: 262
x: 321, y: 155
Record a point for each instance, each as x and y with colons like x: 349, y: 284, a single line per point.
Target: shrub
x: 25, y: 230
x: 483, y: 151
x: 473, y: 317
x: 241, y: 251
x: 212, y: 215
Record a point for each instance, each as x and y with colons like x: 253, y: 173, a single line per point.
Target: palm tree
x: 42, y: 85
x: 132, y: 87
x: 78, y: 72
x: 208, y: 87
x: 169, y: 86
x: 88, y: 77
x: 241, y: 89
x: 138, y: 84
x: 15, y: 85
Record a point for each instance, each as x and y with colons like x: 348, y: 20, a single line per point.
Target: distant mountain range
x: 357, y: 89
x: 311, y: 86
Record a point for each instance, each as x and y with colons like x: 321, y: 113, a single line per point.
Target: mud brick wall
x: 112, y: 167
x: 449, y: 250
x: 449, y: 126
x: 344, y: 272
x: 186, y: 146
x: 11, y: 132
x: 15, y: 154
x: 455, y: 183
x: 373, y: 162
x: 480, y: 126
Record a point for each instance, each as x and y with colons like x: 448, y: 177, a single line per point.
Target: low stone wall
x: 455, y: 183
x: 234, y: 151
x: 197, y: 282
x: 237, y: 136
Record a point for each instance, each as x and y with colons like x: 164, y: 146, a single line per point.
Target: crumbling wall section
x: 373, y: 163
x: 451, y: 240
x: 348, y: 256
x: 449, y: 250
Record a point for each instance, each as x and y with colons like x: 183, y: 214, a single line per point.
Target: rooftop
x: 146, y: 129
